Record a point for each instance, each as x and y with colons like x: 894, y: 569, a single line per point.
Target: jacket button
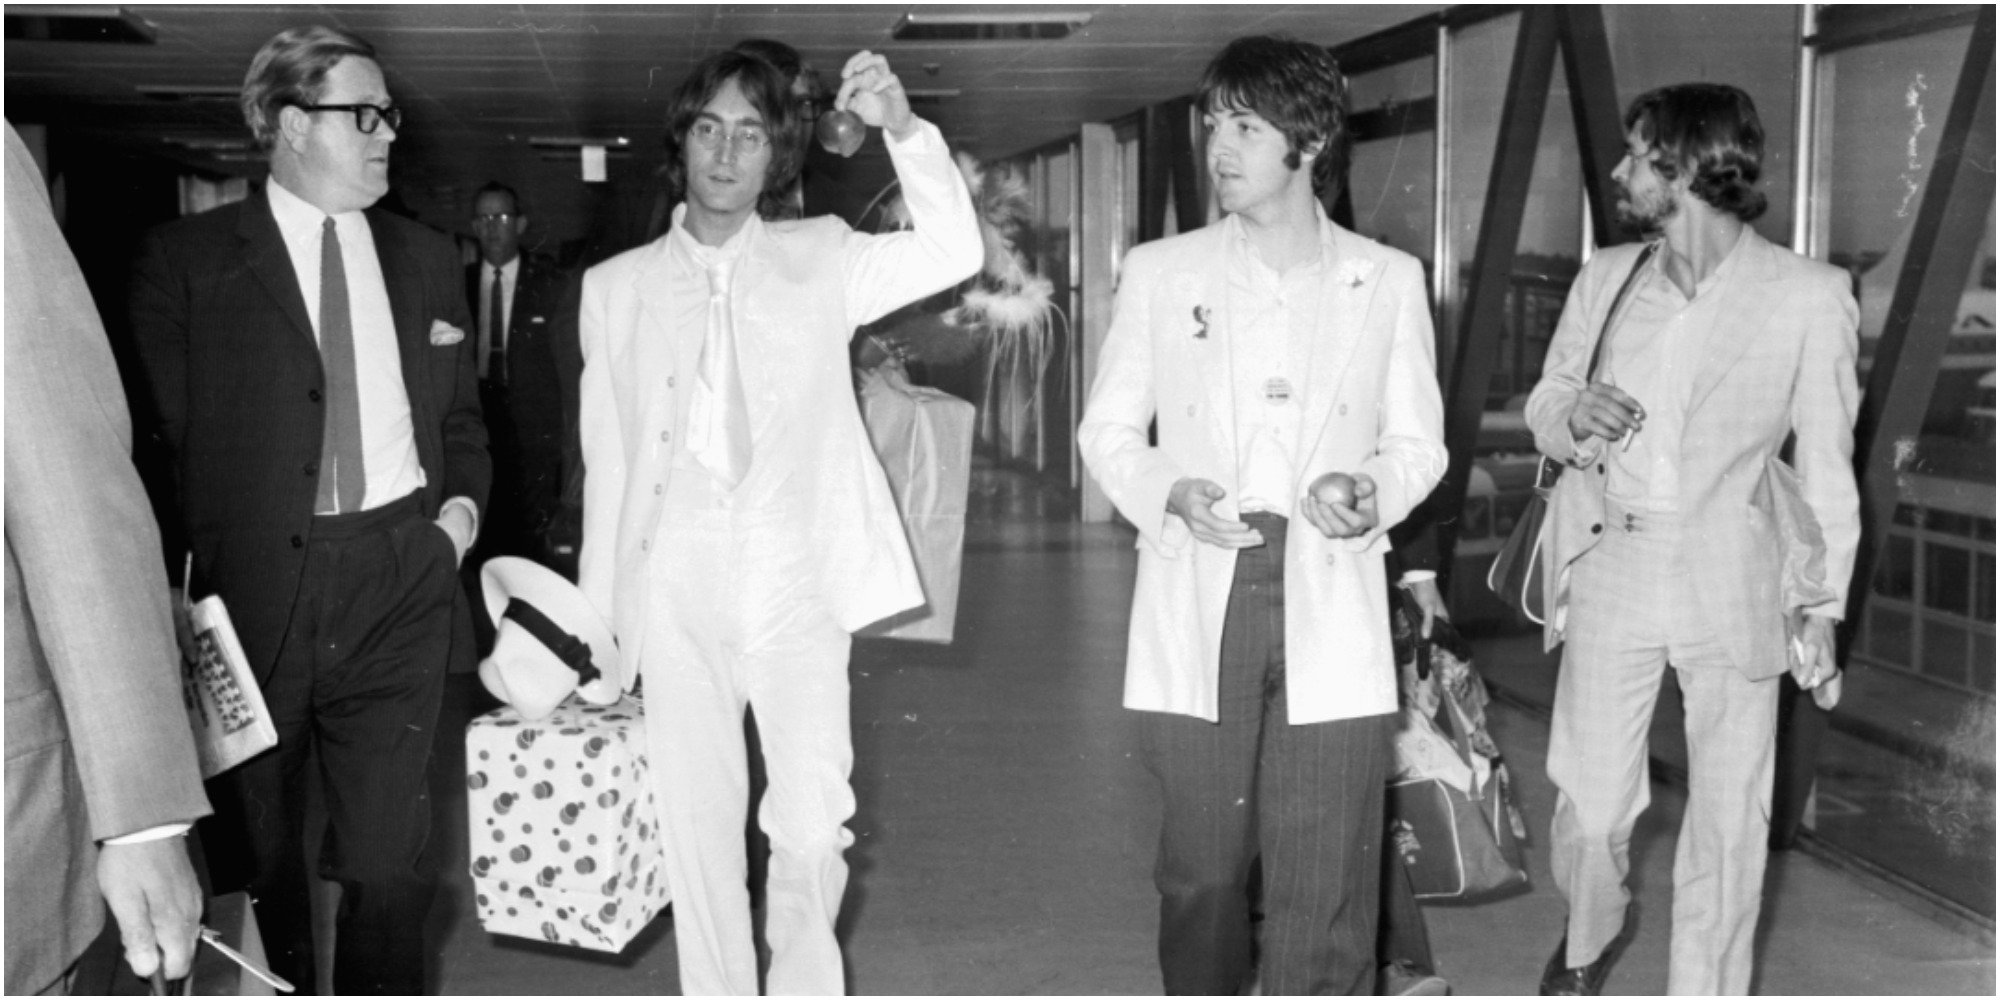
x: 1343, y: 409
x: 1600, y: 468
x: 298, y: 543
x: 313, y: 394
x: 1597, y: 529
x: 658, y: 489
x: 312, y: 468
x: 670, y: 381
x: 1190, y: 409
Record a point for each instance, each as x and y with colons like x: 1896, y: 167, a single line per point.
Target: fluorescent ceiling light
x: 988, y: 26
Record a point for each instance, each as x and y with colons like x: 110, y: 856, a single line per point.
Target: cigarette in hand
x: 1626, y: 443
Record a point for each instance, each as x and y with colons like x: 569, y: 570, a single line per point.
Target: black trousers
x: 357, y: 687
x: 1306, y: 799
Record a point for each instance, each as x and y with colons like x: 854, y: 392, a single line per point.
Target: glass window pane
x: 1391, y: 176
x: 1982, y: 587
x: 1889, y: 636
x: 1482, y: 54
x: 1391, y: 182
x: 1752, y: 46
x: 1893, y: 575
x: 1947, y: 578
x: 1944, y: 651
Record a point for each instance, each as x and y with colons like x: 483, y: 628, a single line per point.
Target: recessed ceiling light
x: 991, y: 26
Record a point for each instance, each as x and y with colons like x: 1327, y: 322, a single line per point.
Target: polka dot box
x: 565, y: 847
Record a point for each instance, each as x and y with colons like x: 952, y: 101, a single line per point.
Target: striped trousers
x: 1306, y: 799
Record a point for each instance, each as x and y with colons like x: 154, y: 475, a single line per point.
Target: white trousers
x: 1632, y: 612
x: 737, y: 622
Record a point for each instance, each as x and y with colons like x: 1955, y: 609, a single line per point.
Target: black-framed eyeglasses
x: 366, y: 116
x: 490, y: 218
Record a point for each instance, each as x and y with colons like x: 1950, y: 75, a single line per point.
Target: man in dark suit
x: 310, y: 367
x: 529, y: 365
x: 101, y: 772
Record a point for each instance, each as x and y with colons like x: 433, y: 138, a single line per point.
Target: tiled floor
x: 1005, y: 835
x: 1005, y: 832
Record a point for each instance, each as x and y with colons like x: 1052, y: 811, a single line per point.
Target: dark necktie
x: 342, y: 480
x: 496, y: 334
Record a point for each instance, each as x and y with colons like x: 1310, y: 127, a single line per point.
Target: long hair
x: 291, y: 69
x: 1295, y: 86
x: 1710, y: 132
x: 767, y: 90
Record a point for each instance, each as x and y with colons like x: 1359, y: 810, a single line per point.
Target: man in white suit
x: 1272, y: 348
x: 737, y: 524
x: 1661, y: 547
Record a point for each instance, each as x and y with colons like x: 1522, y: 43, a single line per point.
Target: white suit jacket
x: 801, y: 289
x: 1372, y: 407
x: 1783, y: 361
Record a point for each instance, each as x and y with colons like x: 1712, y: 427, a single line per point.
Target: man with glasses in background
x: 309, y: 366
x: 528, y: 369
x: 737, y: 525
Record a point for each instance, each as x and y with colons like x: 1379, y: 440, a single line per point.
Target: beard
x: 1647, y: 215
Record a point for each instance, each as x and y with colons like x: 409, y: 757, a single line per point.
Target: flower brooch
x: 1351, y: 273
x: 1202, y: 314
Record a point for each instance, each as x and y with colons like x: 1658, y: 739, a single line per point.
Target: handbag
x: 225, y: 706
x: 1517, y: 572
x: 1451, y: 828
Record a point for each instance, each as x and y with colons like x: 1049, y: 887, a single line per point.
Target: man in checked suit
x: 1659, y: 549
x: 737, y: 525
x: 309, y: 364
x: 101, y: 772
x: 1271, y: 348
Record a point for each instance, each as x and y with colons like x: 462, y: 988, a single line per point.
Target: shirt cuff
x: 923, y: 136
x: 471, y: 513
x: 1417, y: 576
x: 161, y: 832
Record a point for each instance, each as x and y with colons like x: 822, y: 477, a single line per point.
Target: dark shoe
x: 1559, y: 980
x: 1401, y: 979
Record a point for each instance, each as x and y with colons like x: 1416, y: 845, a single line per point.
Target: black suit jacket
x: 545, y: 363
x: 235, y: 381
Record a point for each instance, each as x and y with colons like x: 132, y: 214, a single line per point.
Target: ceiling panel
x: 480, y: 79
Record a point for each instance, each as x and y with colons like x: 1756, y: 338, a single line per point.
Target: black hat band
x: 572, y: 651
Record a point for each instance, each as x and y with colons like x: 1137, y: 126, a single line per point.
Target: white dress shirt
x: 1652, y: 354
x: 388, y: 440
x: 1269, y: 319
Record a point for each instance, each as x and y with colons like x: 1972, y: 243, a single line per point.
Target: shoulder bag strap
x: 1549, y: 470
x: 1610, y: 318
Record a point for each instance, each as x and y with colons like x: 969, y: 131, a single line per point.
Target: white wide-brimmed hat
x: 547, y: 642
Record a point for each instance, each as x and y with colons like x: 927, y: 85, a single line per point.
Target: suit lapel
x: 264, y: 250
x: 406, y: 307
x: 1347, y: 290
x: 659, y: 348
x: 1749, y: 299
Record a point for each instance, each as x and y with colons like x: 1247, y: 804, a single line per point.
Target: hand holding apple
x: 1340, y: 505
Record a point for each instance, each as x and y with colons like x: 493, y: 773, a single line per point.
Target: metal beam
x: 1593, y: 102
x: 1944, y: 245
x: 1484, y: 315
x: 1167, y: 169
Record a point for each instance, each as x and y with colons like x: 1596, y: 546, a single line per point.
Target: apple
x: 840, y: 132
x: 1334, y: 488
